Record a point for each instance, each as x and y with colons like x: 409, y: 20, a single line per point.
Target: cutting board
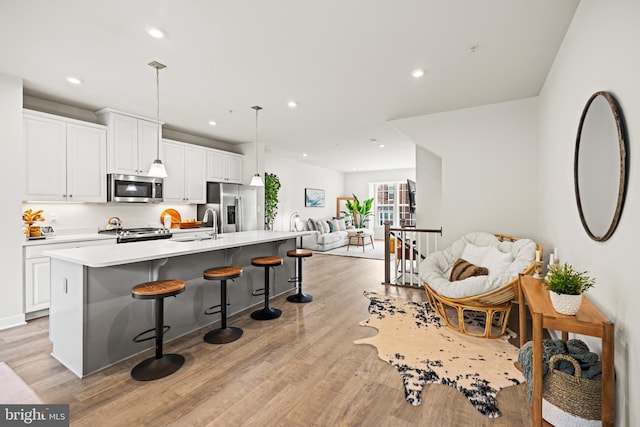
x: 176, y: 219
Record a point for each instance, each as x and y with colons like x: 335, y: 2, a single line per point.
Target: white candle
x: 538, y: 256
x: 551, y: 259
x: 555, y: 252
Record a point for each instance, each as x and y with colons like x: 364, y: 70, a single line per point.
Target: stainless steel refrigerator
x: 235, y: 204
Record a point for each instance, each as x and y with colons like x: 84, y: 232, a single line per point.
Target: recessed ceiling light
x: 156, y: 33
x: 304, y: 154
x: 74, y: 80
x: 212, y: 123
x: 292, y: 104
x: 381, y: 145
x: 417, y: 73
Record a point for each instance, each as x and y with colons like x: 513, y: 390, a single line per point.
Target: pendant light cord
x: 158, y: 111
x: 257, y: 108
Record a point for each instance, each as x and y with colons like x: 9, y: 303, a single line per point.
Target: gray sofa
x: 325, y: 239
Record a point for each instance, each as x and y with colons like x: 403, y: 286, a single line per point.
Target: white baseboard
x: 11, y: 321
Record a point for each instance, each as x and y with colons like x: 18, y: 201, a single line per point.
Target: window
x: 392, y: 203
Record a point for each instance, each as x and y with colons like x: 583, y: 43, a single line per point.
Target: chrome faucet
x: 205, y: 218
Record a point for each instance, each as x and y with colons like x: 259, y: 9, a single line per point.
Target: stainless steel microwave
x: 134, y: 189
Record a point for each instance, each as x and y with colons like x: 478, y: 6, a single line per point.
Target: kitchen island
x: 93, y: 318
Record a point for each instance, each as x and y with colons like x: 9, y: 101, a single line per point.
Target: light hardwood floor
x: 299, y: 370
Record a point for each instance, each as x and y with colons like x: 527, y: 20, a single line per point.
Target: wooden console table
x: 588, y: 321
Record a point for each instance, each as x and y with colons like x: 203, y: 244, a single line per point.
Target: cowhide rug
x: 424, y: 350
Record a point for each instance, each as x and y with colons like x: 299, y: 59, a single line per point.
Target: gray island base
x: 93, y: 317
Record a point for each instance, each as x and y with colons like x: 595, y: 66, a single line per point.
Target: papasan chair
x: 477, y: 277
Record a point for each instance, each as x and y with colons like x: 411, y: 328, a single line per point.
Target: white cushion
x: 311, y: 224
x: 325, y: 227
x: 475, y: 254
x: 496, y: 261
x: 319, y: 227
x: 435, y: 269
x: 342, y: 225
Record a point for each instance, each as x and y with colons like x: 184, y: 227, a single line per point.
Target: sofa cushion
x: 342, y: 224
x: 328, y: 238
x: 463, y: 269
x: 474, y: 254
x: 333, y: 225
x: 300, y: 225
x: 311, y: 224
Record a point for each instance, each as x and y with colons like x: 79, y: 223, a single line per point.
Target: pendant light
x: 157, y: 169
x: 256, y: 181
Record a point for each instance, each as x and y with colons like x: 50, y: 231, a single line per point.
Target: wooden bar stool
x: 224, y: 334
x: 266, y: 313
x: 161, y: 365
x: 299, y: 254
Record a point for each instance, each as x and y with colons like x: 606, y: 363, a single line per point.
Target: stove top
x: 126, y: 235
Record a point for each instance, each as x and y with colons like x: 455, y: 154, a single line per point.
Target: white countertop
x: 126, y: 253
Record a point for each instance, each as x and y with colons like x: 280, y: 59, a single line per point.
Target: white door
x: 215, y: 166
x: 123, y: 141
x: 37, y: 284
x: 195, y: 174
x: 86, y: 164
x: 234, y: 169
x: 147, y: 145
x: 45, y: 159
x: 173, y: 155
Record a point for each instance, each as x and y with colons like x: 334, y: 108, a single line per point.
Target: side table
x: 588, y: 321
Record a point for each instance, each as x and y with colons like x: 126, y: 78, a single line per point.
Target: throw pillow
x: 496, y: 261
x: 333, y: 225
x: 325, y: 227
x: 342, y: 225
x: 319, y: 227
x: 463, y: 269
x: 475, y: 254
x: 311, y: 224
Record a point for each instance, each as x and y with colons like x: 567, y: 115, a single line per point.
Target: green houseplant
x: 271, y: 189
x: 566, y: 285
x: 360, y: 212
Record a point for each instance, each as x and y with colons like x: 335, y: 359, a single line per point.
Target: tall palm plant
x: 360, y: 211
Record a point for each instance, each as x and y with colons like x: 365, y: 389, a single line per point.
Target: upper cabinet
x: 224, y: 167
x: 186, y: 169
x: 132, y: 141
x: 65, y: 159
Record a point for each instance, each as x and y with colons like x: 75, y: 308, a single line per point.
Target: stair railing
x: 410, y: 244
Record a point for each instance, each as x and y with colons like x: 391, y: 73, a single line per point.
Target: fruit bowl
x: 194, y: 224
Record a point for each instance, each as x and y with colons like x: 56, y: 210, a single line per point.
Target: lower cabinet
x: 37, y: 283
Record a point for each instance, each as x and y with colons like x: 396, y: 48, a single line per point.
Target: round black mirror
x: 600, y: 166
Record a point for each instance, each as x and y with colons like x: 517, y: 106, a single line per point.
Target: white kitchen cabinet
x: 65, y: 159
x: 186, y: 169
x: 224, y: 167
x: 132, y: 142
x: 37, y: 283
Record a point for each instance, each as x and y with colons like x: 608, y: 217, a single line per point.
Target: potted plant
x: 271, y: 189
x: 360, y: 212
x: 566, y: 286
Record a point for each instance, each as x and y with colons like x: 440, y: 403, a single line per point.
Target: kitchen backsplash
x: 70, y: 218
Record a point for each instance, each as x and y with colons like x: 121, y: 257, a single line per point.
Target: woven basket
x: 573, y: 394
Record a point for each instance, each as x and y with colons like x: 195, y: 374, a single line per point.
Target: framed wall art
x: 313, y: 198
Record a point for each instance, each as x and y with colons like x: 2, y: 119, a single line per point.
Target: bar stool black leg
x: 300, y: 296
x: 224, y: 334
x: 267, y: 313
x: 161, y: 365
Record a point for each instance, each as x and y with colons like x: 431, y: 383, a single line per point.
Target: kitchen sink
x: 195, y: 239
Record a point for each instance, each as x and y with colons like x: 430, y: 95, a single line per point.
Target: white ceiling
x: 346, y: 62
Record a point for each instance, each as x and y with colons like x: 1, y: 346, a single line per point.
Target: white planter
x: 565, y: 304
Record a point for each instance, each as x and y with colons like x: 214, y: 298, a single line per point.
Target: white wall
x: 599, y: 52
x: 358, y: 182
x: 489, y: 166
x: 429, y: 192
x: 11, y: 170
x: 294, y: 178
